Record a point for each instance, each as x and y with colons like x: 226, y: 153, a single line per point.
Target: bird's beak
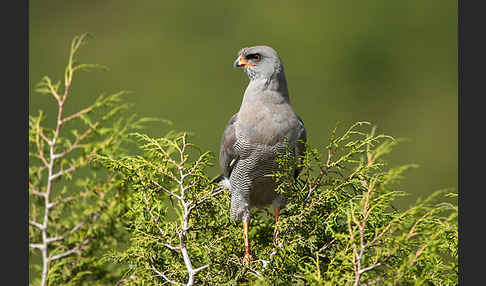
x: 241, y: 62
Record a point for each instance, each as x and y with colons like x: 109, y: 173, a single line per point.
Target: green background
x: 392, y: 63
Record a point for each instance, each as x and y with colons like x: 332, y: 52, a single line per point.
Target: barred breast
x: 248, y: 178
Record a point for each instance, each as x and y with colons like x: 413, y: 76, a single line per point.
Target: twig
x: 166, y: 190
x: 76, y: 143
x: 77, y: 114
x: 361, y: 271
x: 59, y: 256
x: 325, y: 246
x: 65, y: 200
x: 36, y: 224
x: 63, y: 172
x: 163, y: 276
x: 35, y: 192
x: 36, y: 245
x: 54, y: 239
x: 44, y: 137
x: 38, y: 144
x: 187, y: 207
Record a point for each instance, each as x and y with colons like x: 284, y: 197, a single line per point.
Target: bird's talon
x: 247, y: 259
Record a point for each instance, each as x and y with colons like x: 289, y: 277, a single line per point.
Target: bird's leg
x: 277, y: 210
x: 276, y: 241
x: 247, y: 257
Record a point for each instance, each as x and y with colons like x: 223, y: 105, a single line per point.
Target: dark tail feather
x: 218, y: 179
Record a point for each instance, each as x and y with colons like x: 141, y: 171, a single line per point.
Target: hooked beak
x: 241, y: 62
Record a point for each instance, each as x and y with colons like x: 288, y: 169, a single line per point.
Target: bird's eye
x: 254, y: 57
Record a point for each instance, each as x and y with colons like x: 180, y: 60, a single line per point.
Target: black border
x: 471, y: 81
x: 14, y: 20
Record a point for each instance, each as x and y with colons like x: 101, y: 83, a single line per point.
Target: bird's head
x: 259, y: 62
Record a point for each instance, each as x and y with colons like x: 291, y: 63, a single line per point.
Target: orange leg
x: 247, y: 257
x: 276, y: 241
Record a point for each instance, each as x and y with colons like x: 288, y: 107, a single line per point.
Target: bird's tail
x: 218, y: 179
x: 240, y: 208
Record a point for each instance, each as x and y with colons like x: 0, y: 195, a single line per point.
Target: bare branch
x: 44, y: 137
x: 35, y: 192
x: 77, y: 114
x: 325, y: 246
x: 369, y: 268
x: 66, y: 253
x: 76, y: 227
x: 76, y: 143
x: 174, y: 248
x: 187, y: 208
x: 63, y: 172
x: 38, y: 144
x: 65, y: 200
x: 37, y: 245
x: 36, y: 224
x: 54, y: 239
x: 163, y: 276
x: 358, y: 253
x: 165, y: 190
x: 195, y: 271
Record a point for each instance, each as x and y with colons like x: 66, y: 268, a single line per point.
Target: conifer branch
x: 179, y: 178
x: 47, y: 150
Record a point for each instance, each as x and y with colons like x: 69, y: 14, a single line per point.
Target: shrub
x: 74, y: 205
x: 339, y: 227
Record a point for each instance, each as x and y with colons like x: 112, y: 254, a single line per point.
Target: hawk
x: 255, y: 135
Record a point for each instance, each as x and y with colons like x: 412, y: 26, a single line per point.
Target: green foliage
x: 73, y: 203
x: 338, y: 228
x: 107, y: 217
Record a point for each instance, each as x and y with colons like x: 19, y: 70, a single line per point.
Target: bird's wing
x: 300, y: 145
x: 227, y: 153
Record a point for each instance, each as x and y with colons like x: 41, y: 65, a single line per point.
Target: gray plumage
x: 255, y: 134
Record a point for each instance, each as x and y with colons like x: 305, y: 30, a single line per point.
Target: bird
x: 264, y: 125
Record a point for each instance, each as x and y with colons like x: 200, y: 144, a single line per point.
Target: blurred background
x: 392, y: 63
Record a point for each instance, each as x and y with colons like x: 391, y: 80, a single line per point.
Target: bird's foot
x: 247, y: 259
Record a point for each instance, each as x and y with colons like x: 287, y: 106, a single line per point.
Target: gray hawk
x: 256, y: 134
